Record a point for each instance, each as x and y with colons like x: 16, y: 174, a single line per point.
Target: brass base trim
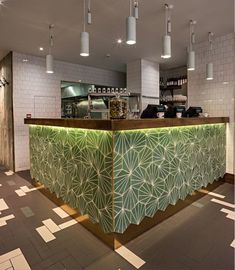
x: 115, y: 240
x: 229, y: 178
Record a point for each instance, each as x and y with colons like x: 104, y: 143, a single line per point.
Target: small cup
x: 179, y: 114
x: 160, y: 114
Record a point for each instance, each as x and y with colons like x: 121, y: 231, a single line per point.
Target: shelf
x: 108, y: 94
x: 172, y: 102
x: 171, y: 87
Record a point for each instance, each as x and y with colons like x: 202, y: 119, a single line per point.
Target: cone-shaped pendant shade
x: 84, y: 44
x: 209, y: 71
x: 131, y: 30
x: 49, y: 63
x: 166, y: 53
x: 191, y: 60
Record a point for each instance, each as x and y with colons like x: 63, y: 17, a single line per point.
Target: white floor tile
x: 216, y: 195
x: 227, y: 211
x: 232, y: 217
x: 50, y: 224
x: 9, y: 173
x: 46, y: 235
x: 20, y: 263
x: 223, y: 203
x: 129, y: 256
x: 4, y: 219
x: 67, y: 224
x: 233, y: 244
x: 20, y: 192
x: 25, y: 189
x: 60, y: 212
x: 2, y: 223
x: 3, y: 205
x: 5, y: 265
x: 7, y: 256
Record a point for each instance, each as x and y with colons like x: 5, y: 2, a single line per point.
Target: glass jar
x: 118, y: 108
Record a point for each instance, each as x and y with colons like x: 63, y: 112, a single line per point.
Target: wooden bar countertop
x: 114, y: 125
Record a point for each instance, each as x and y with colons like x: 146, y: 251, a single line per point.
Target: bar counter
x: 121, y: 171
x: 113, y: 125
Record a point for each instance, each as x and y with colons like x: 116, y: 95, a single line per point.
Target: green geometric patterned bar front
x: 76, y: 164
x: 120, y: 177
x: 156, y: 167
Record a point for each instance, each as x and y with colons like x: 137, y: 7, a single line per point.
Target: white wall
x: 39, y: 93
x: 143, y: 77
x: 133, y: 76
x: 216, y: 97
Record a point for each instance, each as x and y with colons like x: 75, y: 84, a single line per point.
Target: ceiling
x: 24, y: 27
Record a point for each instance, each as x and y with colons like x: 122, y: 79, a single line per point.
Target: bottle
x: 118, y: 108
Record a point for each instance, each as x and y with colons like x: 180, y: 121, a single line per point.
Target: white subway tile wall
x: 150, y: 78
x: 217, y: 96
x: 134, y: 76
x: 143, y: 77
x: 39, y: 93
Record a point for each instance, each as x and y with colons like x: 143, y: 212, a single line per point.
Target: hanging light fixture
x: 131, y: 28
x: 89, y: 12
x: 191, y: 52
x: 49, y: 57
x: 166, y: 48
x: 136, y: 9
x: 209, y: 66
x: 84, y: 50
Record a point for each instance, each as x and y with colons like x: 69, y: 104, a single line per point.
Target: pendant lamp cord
x: 50, y: 38
x: 166, y: 18
x: 210, y: 35
x: 130, y: 8
x: 84, y: 16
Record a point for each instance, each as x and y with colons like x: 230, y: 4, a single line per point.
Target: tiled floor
x: 36, y: 234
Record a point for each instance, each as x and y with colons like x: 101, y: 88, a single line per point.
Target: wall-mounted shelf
x: 171, y: 87
x: 172, y: 102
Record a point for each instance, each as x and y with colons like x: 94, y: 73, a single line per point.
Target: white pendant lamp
x: 84, y: 37
x: 50, y: 63
x: 191, y: 60
x: 49, y: 57
x: 191, y: 52
x: 131, y: 28
x: 84, y: 44
x: 209, y: 66
x: 166, y: 46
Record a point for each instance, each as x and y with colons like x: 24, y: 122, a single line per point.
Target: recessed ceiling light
x: 108, y: 55
x: 41, y: 48
x: 225, y: 82
x: 119, y: 41
x: 25, y: 60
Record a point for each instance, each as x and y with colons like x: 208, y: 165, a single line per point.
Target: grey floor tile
x: 111, y: 261
x: 27, y: 211
x: 195, y: 238
x: 57, y: 266
x: 71, y: 264
x: 11, y: 183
